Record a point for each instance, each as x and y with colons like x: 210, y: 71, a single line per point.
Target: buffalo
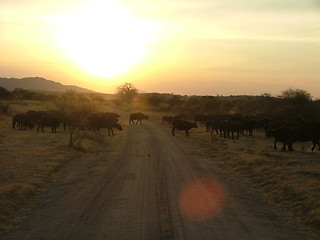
x: 113, y: 115
x: 182, y: 125
x: 22, y: 121
x: 109, y: 123
x: 45, y: 119
x: 137, y: 116
x: 281, y: 134
x: 309, y: 131
x: 104, y: 120
x: 228, y: 127
x: 48, y: 119
x: 289, y: 132
x: 167, y: 119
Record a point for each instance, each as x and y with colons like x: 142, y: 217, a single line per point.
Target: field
x: 30, y: 161
x: 289, y: 181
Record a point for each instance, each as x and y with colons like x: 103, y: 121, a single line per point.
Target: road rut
x: 150, y: 185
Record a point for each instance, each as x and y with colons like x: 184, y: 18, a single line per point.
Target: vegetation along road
x: 151, y: 185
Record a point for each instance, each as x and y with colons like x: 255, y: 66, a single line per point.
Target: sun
x: 104, y: 38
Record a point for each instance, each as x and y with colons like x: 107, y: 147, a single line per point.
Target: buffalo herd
x: 94, y: 121
x: 226, y: 126
x: 289, y: 132
x: 232, y: 126
x: 41, y: 119
x: 53, y: 119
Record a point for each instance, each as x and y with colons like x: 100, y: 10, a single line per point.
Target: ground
x: 148, y: 184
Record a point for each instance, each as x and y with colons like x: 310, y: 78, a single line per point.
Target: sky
x: 187, y: 47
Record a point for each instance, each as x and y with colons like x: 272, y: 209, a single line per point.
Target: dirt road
x: 150, y: 185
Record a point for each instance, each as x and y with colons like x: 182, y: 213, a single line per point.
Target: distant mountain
x: 37, y: 83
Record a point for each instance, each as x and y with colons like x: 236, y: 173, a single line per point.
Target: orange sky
x: 200, y: 47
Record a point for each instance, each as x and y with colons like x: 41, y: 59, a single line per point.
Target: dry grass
x: 28, y: 160
x: 288, y: 180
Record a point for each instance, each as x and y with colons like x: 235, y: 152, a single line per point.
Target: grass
x: 29, y: 160
x: 289, y: 180
x: 12, y: 197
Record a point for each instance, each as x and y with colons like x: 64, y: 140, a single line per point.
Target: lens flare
x: 202, y: 199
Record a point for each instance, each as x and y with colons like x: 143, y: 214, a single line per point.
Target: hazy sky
x: 200, y: 47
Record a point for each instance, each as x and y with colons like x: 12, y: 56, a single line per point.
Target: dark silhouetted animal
x: 281, y: 134
x: 248, y: 125
x: 22, y: 121
x: 44, y: 119
x: 309, y: 131
x: 104, y: 120
x: 167, y: 119
x: 182, y: 125
x: 48, y: 119
x: 228, y: 127
x: 200, y: 118
x: 113, y: 115
x: 110, y: 124
x: 137, y: 116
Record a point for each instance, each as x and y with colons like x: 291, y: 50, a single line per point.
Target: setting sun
x: 104, y: 38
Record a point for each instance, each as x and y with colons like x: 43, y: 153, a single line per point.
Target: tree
x: 174, y: 100
x: 296, y: 96
x: 154, y: 99
x: 296, y: 103
x: 77, y: 122
x: 4, y: 93
x: 75, y: 115
x: 126, y: 92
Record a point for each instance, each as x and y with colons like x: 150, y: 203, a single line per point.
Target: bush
x: 4, y: 93
x: 126, y: 92
x: 75, y: 114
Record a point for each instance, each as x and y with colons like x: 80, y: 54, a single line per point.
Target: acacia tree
x: 126, y: 92
x: 297, y: 102
x: 74, y: 114
x: 77, y: 122
x: 296, y: 96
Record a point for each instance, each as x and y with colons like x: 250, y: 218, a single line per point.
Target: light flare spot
x: 202, y: 199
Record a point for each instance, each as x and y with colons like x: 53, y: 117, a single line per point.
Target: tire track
x: 138, y: 197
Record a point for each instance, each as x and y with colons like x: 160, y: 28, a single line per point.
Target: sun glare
x: 104, y: 38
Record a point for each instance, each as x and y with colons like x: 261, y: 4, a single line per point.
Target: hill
x: 37, y: 83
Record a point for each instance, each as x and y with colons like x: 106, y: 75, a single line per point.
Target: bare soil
x: 148, y: 184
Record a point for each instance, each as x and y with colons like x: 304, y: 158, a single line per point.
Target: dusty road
x: 150, y: 185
